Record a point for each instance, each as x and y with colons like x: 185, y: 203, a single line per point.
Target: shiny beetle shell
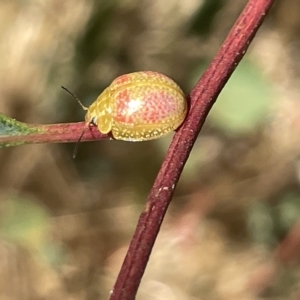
x: 139, y: 106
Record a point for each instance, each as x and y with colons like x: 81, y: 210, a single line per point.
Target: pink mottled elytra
x: 138, y: 106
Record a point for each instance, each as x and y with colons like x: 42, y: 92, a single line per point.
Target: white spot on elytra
x: 133, y: 106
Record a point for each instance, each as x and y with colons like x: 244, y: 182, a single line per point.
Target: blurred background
x: 232, y: 230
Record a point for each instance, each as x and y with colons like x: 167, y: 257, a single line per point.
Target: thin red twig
x: 54, y: 133
x: 202, y: 98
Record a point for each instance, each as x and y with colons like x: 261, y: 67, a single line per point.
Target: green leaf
x: 24, y: 221
x: 244, y: 102
x: 9, y: 126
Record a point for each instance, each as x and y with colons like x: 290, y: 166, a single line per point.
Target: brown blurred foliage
x: 232, y: 231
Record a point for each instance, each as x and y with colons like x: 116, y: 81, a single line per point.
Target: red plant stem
x: 56, y: 133
x: 288, y: 249
x: 202, y: 98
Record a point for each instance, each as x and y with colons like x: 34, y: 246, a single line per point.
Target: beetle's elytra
x: 139, y: 106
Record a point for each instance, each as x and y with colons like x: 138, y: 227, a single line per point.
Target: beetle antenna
x: 78, y: 142
x: 76, y: 98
